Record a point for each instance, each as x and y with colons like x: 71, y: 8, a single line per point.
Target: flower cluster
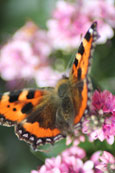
x: 71, y: 160
x: 26, y: 56
x: 103, y: 161
x: 71, y: 19
x: 30, y: 47
x: 101, y: 123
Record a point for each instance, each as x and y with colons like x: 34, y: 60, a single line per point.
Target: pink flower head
x: 17, y: 60
x: 71, y: 19
x: 109, y: 129
x: 46, y: 76
x: 74, y: 151
x: 26, y: 56
x: 104, y: 12
x: 38, y: 39
x: 95, y: 159
x: 67, y: 24
x: 78, y: 138
x: 107, y: 162
x: 69, y: 161
x: 101, y: 123
x: 26, y: 32
x: 103, y: 101
x: 103, y: 131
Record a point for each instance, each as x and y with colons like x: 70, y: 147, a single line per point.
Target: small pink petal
x: 107, y: 157
x: 101, y: 167
x: 55, y: 170
x: 69, y: 140
x: 43, y: 169
x: 58, y: 161
x: 88, y: 165
x: 110, y: 139
x: 95, y: 156
x: 49, y: 163
x: 34, y: 171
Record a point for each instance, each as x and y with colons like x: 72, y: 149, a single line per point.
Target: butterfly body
x: 65, y: 113
x: 48, y: 114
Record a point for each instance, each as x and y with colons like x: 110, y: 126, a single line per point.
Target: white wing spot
x: 31, y: 138
x: 6, y: 93
x: 20, y: 131
x: 39, y: 141
x: 57, y: 137
x: 91, y: 31
x: 25, y: 135
x: 48, y: 140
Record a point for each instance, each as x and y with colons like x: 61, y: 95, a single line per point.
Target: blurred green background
x: 15, y: 156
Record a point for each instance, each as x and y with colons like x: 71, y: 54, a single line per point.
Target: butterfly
x: 46, y: 115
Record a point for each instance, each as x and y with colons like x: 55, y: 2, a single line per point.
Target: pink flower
x: 38, y: 39
x: 68, y: 161
x: 101, y: 123
x: 101, y: 10
x: 109, y: 129
x: 78, y: 138
x: 67, y: 24
x: 107, y: 162
x: 17, y: 60
x: 25, y: 56
x: 70, y: 20
x: 74, y: 151
x: 26, y: 32
x: 95, y: 159
x: 104, y: 12
x: 45, y: 76
x: 103, y: 101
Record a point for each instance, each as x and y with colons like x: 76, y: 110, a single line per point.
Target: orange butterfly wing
x: 83, y: 103
x: 81, y: 62
x: 15, y: 106
x: 19, y: 108
x: 34, y: 134
x: 81, y: 66
x: 39, y: 127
